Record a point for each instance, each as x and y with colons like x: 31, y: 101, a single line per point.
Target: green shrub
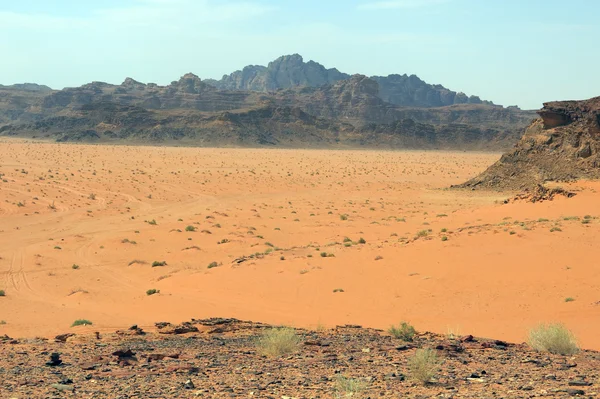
x: 157, y: 263
x: 404, y: 331
x: 2, y: 293
x: 553, y: 338
x: 278, y: 342
x: 75, y: 267
x: 212, y: 264
x: 190, y: 228
x: 423, y: 365
x: 152, y: 292
x: 81, y: 322
x: 362, y: 241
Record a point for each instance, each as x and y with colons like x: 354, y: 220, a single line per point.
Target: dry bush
x: 423, y: 365
x: 278, y: 342
x: 553, y: 338
x: 404, y: 331
x: 349, y: 388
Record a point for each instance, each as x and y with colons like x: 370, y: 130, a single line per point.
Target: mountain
x: 291, y: 71
x: 342, y: 111
x: 563, y: 145
x: 413, y: 92
x: 283, y: 73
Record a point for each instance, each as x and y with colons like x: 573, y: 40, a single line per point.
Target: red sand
x: 500, y: 272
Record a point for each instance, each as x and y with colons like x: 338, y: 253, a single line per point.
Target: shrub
x: 422, y: 233
x: 212, y: 264
x: 2, y: 293
x: 404, y: 331
x: 423, y: 365
x: 152, y: 292
x: 278, y: 342
x: 553, y: 338
x: 362, y: 241
x: 81, y: 322
x: 343, y: 217
x: 349, y: 387
x: 190, y: 228
x: 75, y: 267
x: 323, y: 254
x: 157, y: 263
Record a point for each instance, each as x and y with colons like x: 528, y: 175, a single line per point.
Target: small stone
x: 54, y: 360
x: 579, y: 383
x: 189, y: 385
x: 63, y: 387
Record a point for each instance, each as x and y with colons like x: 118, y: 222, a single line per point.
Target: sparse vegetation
x: 152, y: 222
x: 212, y: 264
x: 152, y: 291
x: 81, y: 322
x: 75, y: 267
x: 569, y: 299
x: 362, y: 241
x: 553, y: 338
x: 277, y: 342
x: 349, y: 387
x: 2, y: 293
x: 423, y: 365
x: 190, y: 228
x: 139, y: 262
x: 404, y: 331
x: 338, y: 290
x: 157, y: 263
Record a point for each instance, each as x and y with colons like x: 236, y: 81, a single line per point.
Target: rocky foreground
x: 219, y: 358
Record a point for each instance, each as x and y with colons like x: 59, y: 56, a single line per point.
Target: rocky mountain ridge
x: 348, y: 112
x: 291, y: 71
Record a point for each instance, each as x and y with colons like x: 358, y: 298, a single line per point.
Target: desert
x: 499, y: 272
x: 299, y: 200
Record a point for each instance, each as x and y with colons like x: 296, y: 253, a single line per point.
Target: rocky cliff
x: 283, y: 73
x: 561, y: 146
x: 291, y: 71
x: 413, y: 92
x: 349, y: 111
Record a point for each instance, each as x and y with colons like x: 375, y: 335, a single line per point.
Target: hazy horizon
x: 509, y: 53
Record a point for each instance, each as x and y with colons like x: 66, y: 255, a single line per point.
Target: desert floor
x: 81, y: 225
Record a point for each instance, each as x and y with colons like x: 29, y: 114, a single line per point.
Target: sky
x: 512, y: 52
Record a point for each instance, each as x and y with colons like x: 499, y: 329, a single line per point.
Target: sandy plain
x: 266, y: 217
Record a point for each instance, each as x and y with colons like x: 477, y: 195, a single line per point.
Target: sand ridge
x: 81, y: 225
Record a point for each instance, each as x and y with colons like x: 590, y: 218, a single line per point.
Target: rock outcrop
x: 411, y: 91
x: 290, y: 71
x: 285, y: 72
x: 320, y: 107
x: 563, y: 145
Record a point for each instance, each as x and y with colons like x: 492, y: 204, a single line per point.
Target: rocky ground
x: 218, y: 358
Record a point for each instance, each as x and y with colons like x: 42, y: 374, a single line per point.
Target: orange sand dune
x: 501, y: 269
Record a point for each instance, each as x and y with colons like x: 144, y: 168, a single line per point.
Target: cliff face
x: 283, y: 73
x: 411, y: 91
x: 563, y: 145
x: 319, y: 107
x: 291, y: 71
x: 189, y: 92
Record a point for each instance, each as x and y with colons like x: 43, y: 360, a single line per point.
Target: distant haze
x: 512, y: 52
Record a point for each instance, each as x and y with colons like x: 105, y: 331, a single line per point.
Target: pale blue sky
x: 520, y: 52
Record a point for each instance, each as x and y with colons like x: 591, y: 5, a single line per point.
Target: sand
x: 76, y: 242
